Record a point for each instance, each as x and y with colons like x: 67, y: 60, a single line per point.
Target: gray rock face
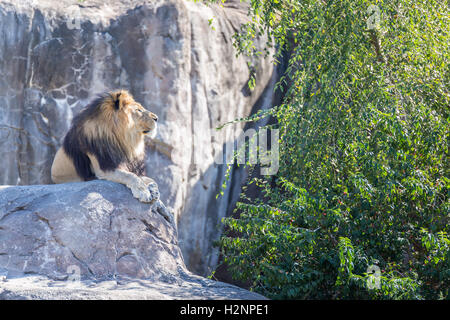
x: 94, y: 227
x: 93, y: 240
x: 55, y: 56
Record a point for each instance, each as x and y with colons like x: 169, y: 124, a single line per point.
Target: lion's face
x: 145, y: 121
x: 131, y: 114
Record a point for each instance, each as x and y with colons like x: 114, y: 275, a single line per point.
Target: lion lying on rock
x: 106, y: 141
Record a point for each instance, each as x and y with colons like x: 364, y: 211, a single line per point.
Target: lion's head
x: 119, y: 119
x: 129, y: 114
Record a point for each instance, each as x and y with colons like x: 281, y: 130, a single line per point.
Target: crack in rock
x: 58, y: 241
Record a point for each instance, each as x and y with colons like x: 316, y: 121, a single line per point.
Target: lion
x: 106, y: 141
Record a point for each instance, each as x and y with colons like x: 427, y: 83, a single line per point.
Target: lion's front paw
x: 152, y: 187
x: 154, y: 190
x: 142, y: 193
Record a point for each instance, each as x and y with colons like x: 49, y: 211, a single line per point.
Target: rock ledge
x: 93, y: 240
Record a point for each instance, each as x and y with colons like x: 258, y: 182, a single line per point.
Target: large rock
x: 57, y: 55
x: 188, y: 287
x: 94, y: 240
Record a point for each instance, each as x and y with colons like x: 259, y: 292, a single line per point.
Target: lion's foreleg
x: 137, y: 185
x: 148, y: 181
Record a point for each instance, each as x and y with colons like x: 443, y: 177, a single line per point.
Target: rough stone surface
x: 188, y: 287
x: 96, y: 227
x: 57, y: 55
x: 93, y: 240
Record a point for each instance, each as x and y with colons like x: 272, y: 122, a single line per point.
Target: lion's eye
x: 139, y: 110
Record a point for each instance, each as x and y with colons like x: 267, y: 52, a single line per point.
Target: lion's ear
x: 117, y: 101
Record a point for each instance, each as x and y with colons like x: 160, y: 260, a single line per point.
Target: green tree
x: 363, y: 180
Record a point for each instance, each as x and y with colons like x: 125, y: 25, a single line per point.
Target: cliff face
x: 55, y: 56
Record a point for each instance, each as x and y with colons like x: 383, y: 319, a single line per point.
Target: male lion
x: 106, y: 141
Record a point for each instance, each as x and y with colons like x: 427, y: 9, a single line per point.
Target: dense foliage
x: 364, y: 128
